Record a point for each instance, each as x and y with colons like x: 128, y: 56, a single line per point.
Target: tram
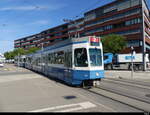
x: 76, y: 61
x: 20, y: 60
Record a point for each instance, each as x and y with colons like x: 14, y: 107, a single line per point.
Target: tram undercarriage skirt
x: 91, y: 82
x: 88, y: 83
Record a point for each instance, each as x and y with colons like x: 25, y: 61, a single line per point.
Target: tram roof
x: 68, y: 41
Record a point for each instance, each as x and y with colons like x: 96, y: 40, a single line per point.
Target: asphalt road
x: 25, y: 91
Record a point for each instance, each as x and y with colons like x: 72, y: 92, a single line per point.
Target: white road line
x: 112, y: 110
x: 84, y: 105
x: 70, y: 110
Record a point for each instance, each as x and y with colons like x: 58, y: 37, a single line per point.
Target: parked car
x: 1, y: 64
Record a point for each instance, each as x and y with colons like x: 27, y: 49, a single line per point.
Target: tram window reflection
x: 81, y: 57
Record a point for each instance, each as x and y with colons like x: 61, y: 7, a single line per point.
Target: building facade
x: 130, y: 18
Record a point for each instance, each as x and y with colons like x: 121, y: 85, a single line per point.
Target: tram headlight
x: 97, y: 74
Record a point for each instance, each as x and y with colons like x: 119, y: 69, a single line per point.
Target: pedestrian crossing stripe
x: 67, y: 108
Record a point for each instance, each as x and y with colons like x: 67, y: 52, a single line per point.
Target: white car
x: 1, y: 64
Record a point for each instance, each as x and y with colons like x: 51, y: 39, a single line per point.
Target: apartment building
x: 130, y: 18
x: 123, y: 17
x: 28, y: 42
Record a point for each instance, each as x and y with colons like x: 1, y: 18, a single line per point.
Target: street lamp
x: 143, y: 36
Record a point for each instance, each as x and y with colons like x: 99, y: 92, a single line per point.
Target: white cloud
x: 7, y: 31
x: 34, y: 8
x: 23, y: 8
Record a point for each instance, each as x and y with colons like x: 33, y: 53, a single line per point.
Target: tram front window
x: 81, y: 59
x: 95, y: 57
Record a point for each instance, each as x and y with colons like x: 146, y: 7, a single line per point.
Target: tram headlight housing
x: 97, y: 74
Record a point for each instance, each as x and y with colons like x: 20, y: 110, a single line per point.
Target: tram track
x: 108, y: 95
x: 137, y: 92
x: 123, y: 99
x: 141, y: 89
x: 123, y: 84
x: 125, y: 94
x: 130, y: 93
x: 131, y: 82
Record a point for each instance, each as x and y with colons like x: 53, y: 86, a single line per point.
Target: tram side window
x: 50, y: 58
x: 43, y: 59
x: 38, y: 62
x: 56, y: 58
x: 60, y: 57
x: 29, y: 60
x: 68, y: 59
x: 80, y: 56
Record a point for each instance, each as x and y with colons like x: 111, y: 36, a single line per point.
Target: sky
x: 22, y: 18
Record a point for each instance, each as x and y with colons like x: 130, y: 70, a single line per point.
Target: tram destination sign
x: 95, y: 41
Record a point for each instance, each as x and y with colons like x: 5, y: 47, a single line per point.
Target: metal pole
x: 18, y: 59
x: 132, y: 66
x: 132, y: 49
x: 143, y: 37
x: 18, y: 62
x: 42, y: 61
x: 42, y: 56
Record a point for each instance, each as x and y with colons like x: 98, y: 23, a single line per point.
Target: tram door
x: 68, y: 65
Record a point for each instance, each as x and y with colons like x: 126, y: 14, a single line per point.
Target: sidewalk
x: 144, y: 76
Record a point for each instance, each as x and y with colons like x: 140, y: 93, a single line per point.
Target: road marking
x: 84, y: 105
x: 112, y: 110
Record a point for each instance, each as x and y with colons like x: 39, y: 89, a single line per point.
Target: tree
x: 113, y: 43
x: 8, y: 55
x: 15, y: 52
x: 32, y: 50
x: 19, y: 51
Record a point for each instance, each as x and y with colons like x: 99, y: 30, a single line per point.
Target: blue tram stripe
x: 75, y: 77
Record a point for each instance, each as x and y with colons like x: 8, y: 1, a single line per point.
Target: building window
x: 135, y: 2
x: 110, y: 9
x: 90, y: 16
x: 109, y: 27
x: 124, y: 5
x: 134, y: 43
x: 133, y: 21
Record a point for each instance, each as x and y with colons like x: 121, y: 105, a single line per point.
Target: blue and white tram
x: 77, y: 61
x: 20, y: 60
